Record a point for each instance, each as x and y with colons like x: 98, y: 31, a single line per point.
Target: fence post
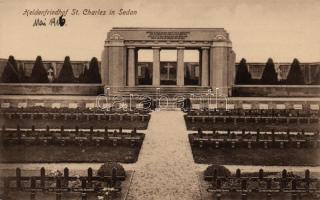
x: 283, y: 182
x: 215, y: 174
x: 238, y: 173
x: 244, y: 185
x: 90, y: 177
x: 3, y: 129
x: 218, y: 184
x: 294, y: 196
x: 260, y: 174
x: 65, y: 116
x: 273, y: 135
x: 284, y: 174
x: 42, y: 177
x: 265, y: 144
x: 294, y: 187
x: 244, y: 189
x: 269, y: 196
x: 33, y: 186
x: 3, y: 132
x: 294, y: 184
x: 18, y: 132
x: 18, y: 178
x: 244, y: 196
x: 91, y: 129
x: 6, y: 186
x: 66, y: 177
x: 307, y: 179
x: 113, y: 177
x: 269, y: 184
x: 83, y: 196
x: 214, y: 178
x: 83, y: 183
x: 258, y: 135
x: 58, y: 187
x: 218, y: 196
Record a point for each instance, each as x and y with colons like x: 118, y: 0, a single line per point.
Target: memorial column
x: 131, y: 66
x: 180, y: 66
x: 219, y: 66
x: 204, y: 66
x: 156, y: 66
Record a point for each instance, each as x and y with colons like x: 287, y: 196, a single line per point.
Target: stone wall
x: 50, y: 89
x: 276, y: 90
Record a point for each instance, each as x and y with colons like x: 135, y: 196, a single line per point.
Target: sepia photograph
x: 159, y: 100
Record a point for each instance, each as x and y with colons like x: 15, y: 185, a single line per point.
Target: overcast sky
x: 282, y: 29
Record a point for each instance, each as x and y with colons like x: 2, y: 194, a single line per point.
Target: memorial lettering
x: 164, y: 35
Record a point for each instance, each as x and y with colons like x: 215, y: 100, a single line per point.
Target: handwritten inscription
x: 165, y: 35
x: 52, y: 22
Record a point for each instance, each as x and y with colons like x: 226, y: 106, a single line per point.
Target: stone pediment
x: 168, y: 34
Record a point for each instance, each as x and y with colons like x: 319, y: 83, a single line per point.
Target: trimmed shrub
x: 243, y: 75
x: 39, y: 73
x: 93, y: 72
x: 22, y: 74
x: 269, y: 75
x: 221, y: 171
x: 187, y: 105
x: 10, y: 73
x: 84, y: 75
x: 295, y: 76
x: 316, y: 80
x: 66, y: 73
x: 106, y: 169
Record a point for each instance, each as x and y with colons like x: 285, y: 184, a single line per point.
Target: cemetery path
x: 165, y: 169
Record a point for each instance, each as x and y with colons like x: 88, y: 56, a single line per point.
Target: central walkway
x: 165, y: 169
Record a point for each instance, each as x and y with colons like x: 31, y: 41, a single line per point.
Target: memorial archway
x: 121, y: 69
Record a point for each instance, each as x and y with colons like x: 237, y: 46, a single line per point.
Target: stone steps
x: 162, y: 90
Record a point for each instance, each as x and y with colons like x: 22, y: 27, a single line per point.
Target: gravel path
x: 165, y: 169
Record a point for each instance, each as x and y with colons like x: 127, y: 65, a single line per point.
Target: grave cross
x: 168, y: 67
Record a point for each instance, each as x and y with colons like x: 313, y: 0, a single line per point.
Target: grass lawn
x: 97, y: 124
x: 257, y: 156
x: 251, y: 126
x: 58, y: 154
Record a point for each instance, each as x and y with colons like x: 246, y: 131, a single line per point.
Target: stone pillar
x: 131, y: 66
x: 104, y: 66
x: 231, y: 69
x: 156, y: 66
x: 204, y: 66
x: 219, y: 66
x: 117, y: 57
x: 180, y: 66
